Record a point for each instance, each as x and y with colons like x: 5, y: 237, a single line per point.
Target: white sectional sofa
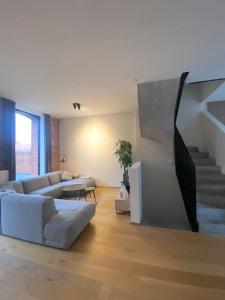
x: 30, y: 212
x: 50, y: 184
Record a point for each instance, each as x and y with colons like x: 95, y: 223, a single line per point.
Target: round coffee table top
x: 89, y: 188
x: 73, y: 188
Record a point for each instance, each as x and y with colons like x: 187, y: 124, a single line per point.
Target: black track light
x: 76, y: 105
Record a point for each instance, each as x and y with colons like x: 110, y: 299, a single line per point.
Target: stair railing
x: 185, y: 168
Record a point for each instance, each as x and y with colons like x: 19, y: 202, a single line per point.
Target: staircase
x: 210, y: 187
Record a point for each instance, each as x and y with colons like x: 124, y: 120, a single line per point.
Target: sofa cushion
x: 17, y: 185
x: 50, y: 191
x: 2, y: 194
x: 71, y: 218
x: 24, y: 216
x: 85, y: 181
x: 53, y: 178
x: 34, y: 183
x: 7, y: 187
x: 69, y: 176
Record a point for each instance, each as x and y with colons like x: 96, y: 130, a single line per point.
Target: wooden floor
x: 115, y: 260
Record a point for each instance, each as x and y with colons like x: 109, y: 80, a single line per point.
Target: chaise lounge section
x: 30, y: 210
x: 43, y: 220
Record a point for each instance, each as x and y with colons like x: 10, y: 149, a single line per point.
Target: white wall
x: 89, y: 143
x: 217, y: 109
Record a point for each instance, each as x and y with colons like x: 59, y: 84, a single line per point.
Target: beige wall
x: 89, y: 143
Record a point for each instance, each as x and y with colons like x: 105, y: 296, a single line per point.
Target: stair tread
x: 214, y: 215
x: 192, y: 149
x: 209, y: 169
x: 215, y: 182
x: 204, y: 161
x: 209, y: 228
x: 210, y: 186
x: 211, y: 176
x: 211, y: 190
x: 203, y: 179
x: 199, y: 154
x: 210, y: 196
x: 214, y: 201
x: 213, y: 187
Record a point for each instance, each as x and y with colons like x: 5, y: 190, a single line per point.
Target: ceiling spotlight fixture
x: 76, y: 105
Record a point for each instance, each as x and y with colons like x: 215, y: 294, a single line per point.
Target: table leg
x: 94, y: 196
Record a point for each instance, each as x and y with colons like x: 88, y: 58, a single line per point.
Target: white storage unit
x: 136, y: 193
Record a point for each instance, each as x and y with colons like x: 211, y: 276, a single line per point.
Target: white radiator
x: 136, y: 193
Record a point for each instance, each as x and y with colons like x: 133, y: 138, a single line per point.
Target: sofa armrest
x: 24, y: 216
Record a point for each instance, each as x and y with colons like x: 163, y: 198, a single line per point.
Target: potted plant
x: 124, y: 155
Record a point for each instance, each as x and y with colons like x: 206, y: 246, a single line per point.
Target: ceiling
x: 56, y: 52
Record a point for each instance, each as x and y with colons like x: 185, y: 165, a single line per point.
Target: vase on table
x: 123, y: 192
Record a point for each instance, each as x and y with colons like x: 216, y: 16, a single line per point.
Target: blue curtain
x: 47, y: 137
x: 7, y: 137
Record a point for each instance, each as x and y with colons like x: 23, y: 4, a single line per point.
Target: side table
x: 122, y: 206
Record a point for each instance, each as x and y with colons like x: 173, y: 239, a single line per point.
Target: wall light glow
x: 95, y: 135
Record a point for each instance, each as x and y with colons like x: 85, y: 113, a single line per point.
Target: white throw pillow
x: 67, y: 176
x: 76, y: 175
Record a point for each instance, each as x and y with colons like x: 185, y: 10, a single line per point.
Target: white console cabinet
x: 136, y: 193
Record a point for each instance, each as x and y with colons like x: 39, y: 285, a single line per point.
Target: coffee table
x: 90, y: 189
x: 76, y: 190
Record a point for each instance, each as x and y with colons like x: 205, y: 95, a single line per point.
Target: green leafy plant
x: 124, y: 155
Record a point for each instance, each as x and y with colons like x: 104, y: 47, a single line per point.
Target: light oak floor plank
x: 113, y: 259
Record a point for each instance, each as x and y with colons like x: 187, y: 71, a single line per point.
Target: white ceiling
x: 55, y: 52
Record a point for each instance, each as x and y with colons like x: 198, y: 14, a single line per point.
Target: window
x: 27, y: 145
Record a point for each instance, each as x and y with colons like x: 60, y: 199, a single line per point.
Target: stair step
x: 211, y: 215
x: 208, y: 170
x: 210, y: 179
x: 215, y: 229
x: 192, y: 149
x: 199, y: 154
x: 211, y: 189
x: 204, y: 161
x: 211, y: 200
